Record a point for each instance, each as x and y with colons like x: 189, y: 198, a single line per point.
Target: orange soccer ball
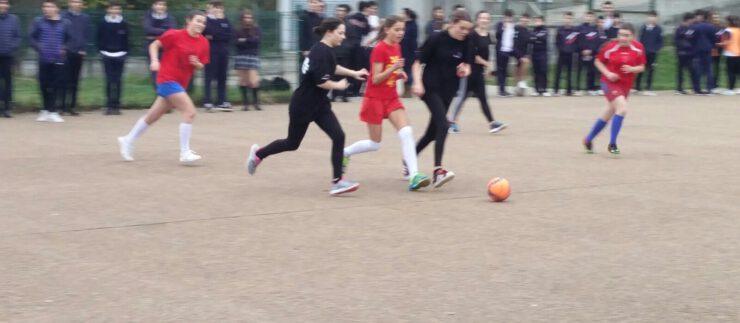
x: 499, y: 189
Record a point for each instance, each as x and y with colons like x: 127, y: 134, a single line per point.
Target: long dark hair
x: 389, y: 22
x: 249, y: 29
x: 327, y: 25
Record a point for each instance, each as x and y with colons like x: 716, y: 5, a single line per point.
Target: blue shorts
x: 169, y: 88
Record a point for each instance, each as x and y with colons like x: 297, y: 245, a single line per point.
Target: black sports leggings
x: 438, y: 125
x: 328, y: 122
x: 477, y: 85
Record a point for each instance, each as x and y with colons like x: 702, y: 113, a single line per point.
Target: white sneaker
x: 600, y: 92
x: 522, y: 85
x: 54, y: 117
x: 729, y: 92
x: 43, y: 116
x: 716, y: 91
x: 126, y: 149
x: 649, y: 93
x: 189, y: 157
x: 547, y: 94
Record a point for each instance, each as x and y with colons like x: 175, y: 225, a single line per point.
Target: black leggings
x: 6, y: 77
x: 113, y: 67
x: 51, y: 77
x: 328, y: 122
x: 565, y: 60
x: 733, y: 70
x: 217, y: 70
x: 590, y: 68
x: 649, y: 70
x: 73, y: 66
x: 684, y: 64
x: 539, y: 64
x: 438, y: 125
x: 477, y: 85
x: 716, y: 61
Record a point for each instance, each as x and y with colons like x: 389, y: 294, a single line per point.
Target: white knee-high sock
x: 408, y: 147
x: 361, y: 146
x: 137, y: 130
x: 185, y: 130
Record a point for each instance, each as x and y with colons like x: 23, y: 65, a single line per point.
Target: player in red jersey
x: 185, y: 50
x: 619, y: 62
x: 381, y: 101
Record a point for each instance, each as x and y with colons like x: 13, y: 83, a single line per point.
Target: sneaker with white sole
x: 343, y: 186
x: 496, y: 126
x: 729, y: 92
x: 442, y: 177
x: 649, y: 93
x: 225, y: 107
x: 43, y: 116
x: 189, y: 157
x: 126, y: 149
x: 454, y: 127
x: 547, y: 94
x: 253, y: 161
x: 54, y: 117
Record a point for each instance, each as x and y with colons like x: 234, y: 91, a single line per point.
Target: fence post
x: 590, y: 4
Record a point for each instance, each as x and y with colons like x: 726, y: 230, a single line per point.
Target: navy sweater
x: 49, y: 38
x: 651, y: 39
x: 113, y: 36
x: 703, y: 39
x: 219, y: 33
x: 79, y: 27
x: 10, y: 34
x: 539, y: 39
x: 153, y: 27
x: 588, y: 38
x: 306, y: 37
x: 410, y: 41
x: 357, y: 27
x: 248, y: 41
x: 682, y: 39
x: 567, y: 39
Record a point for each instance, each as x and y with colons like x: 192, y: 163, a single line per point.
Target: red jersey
x: 615, y: 56
x: 388, y: 55
x: 178, y: 46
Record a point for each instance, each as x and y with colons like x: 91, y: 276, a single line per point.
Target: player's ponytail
x: 327, y: 25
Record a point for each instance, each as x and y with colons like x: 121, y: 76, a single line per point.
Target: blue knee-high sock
x: 598, y: 126
x: 616, y: 126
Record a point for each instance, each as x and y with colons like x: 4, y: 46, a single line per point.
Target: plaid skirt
x: 247, y: 62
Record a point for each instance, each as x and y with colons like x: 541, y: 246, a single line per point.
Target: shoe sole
x: 120, y: 150
x: 495, y: 130
x: 444, y: 181
x: 422, y: 184
x: 190, y: 161
x: 350, y: 189
x: 252, y: 156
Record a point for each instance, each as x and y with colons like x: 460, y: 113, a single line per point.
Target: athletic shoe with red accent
x: 442, y: 177
x: 343, y: 186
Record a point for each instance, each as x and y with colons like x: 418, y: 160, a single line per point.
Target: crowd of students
x: 60, y: 39
x: 702, y: 42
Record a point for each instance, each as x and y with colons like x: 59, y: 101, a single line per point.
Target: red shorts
x: 615, y: 90
x: 374, y: 110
